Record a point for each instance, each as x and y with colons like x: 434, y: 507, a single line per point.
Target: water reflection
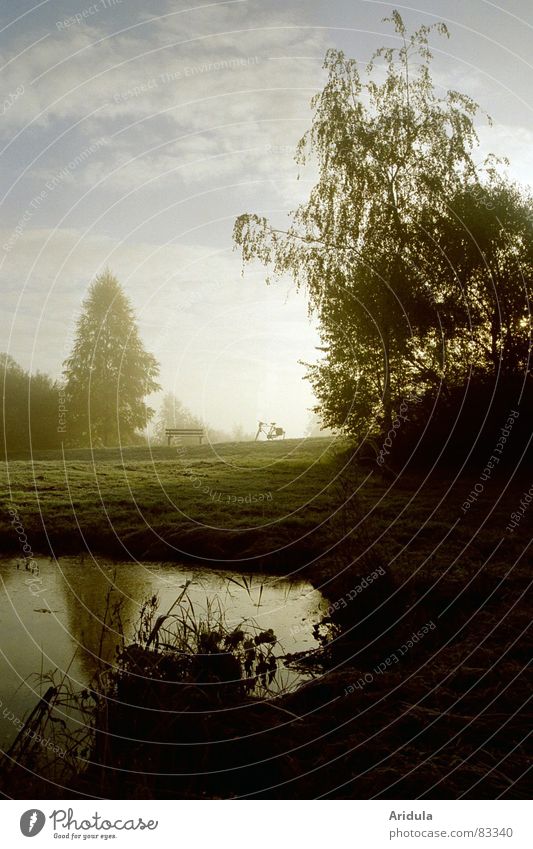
x: 72, y: 611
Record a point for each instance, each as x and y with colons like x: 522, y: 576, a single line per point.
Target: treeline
x: 35, y: 415
x: 100, y: 400
x: 464, y: 425
x: 30, y: 409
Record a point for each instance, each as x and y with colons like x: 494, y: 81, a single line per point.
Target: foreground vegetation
x: 390, y: 714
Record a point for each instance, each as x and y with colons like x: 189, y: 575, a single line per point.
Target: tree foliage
x: 173, y: 413
x: 108, y: 374
x: 485, y: 238
x: 379, y: 246
x: 30, y: 409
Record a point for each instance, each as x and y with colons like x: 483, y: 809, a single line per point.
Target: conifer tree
x: 108, y: 374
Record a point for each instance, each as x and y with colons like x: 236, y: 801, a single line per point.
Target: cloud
x: 170, y: 65
x: 187, y: 103
x: 513, y: 142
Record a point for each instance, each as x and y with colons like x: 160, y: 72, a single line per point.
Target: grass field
x: 230, y: 501
x: 269, y: 505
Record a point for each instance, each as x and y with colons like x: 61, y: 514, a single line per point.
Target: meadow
x: 231, y: 501
x: 275, y: 506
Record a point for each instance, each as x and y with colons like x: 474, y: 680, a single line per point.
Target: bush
x: 467, y: 425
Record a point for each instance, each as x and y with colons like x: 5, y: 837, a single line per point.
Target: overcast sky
x: 133, y: 136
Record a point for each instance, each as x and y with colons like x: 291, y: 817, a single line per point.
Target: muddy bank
x: 243, y: 551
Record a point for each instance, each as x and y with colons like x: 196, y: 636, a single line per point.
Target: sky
x: 131, y: 136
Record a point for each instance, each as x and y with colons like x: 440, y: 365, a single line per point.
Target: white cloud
x: 513, y: 142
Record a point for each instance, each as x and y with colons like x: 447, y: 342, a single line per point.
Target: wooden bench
x: 170, y: 432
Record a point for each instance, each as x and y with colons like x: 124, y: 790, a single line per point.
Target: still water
x: 54, y: 619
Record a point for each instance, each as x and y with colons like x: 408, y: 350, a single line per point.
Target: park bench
x: 170, y: 432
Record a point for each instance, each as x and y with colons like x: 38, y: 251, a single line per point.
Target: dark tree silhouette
x: 377, y: 243
x: 108, y: 374
x: 387, y: 153
x: 485, y: 238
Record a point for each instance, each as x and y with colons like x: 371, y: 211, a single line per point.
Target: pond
x: 53, y: 619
